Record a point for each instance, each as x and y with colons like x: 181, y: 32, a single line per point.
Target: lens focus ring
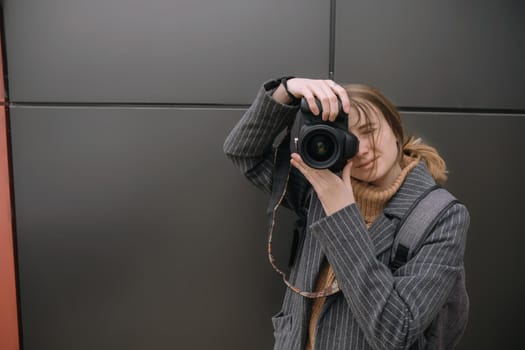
x: 319, y: 147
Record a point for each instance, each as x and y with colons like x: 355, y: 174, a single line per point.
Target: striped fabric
x: 376, y: 308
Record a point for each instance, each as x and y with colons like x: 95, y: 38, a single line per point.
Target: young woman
x: 351, y: 224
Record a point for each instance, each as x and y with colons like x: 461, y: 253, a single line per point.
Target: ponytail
x: 437, y: 167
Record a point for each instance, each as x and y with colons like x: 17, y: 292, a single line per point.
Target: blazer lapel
x: 384, y: 229
x: 381, y: 233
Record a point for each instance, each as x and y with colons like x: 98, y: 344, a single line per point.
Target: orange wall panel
x: 8, y: 308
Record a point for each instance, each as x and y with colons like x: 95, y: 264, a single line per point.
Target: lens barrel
x: 320, y: 147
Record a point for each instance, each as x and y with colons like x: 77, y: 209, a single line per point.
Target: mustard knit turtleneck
x: 371, y: 201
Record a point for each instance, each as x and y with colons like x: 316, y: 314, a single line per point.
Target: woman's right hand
x: 326, y: 91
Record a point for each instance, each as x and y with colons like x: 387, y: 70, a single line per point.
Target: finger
x: 343, y: 96
x: 319, y: 178
x: 319, y: 92
x: 347, y: 172
x: 298, y: 163
x: 309, y: 172
x: 310, y: 99
x: 333, y: 100
x: 330, y: 103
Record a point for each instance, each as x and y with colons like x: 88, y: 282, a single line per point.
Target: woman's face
x: 377, y: 159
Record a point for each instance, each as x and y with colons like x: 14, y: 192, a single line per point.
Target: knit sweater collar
x: 371, y: 200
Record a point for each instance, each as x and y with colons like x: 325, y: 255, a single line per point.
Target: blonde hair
x: 362, y: 96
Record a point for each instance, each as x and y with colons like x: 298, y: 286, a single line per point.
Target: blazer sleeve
x: 393, y: 309
x: 250, y: 146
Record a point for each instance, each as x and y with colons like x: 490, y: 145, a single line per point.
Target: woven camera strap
x: 280, y: 177
x: 417, y: 223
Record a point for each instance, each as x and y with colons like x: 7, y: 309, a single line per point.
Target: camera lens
x: 320, y: 147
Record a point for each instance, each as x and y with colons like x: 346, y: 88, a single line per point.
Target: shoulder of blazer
x: 417, y: 182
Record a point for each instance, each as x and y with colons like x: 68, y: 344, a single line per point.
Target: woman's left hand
x: 333, y: 191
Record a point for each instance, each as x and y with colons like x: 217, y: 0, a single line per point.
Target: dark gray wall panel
x: 435, y: 54
x: 135, y: 232
x: 210, y: 51
x: 484, y: 154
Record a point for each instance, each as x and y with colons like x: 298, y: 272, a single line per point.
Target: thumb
x: 346, y: 174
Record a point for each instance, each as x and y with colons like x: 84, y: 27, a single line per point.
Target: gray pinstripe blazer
x: 377, y: 309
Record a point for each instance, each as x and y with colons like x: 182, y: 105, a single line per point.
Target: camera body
x: 322, y: 145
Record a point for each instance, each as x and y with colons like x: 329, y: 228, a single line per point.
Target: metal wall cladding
x: 2, y: 86
x: 435, y: 54
x: 209, y: 51
x: 135, y: 232
x: 484, y: 157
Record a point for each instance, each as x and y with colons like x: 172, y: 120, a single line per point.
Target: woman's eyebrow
x: 366, y: 126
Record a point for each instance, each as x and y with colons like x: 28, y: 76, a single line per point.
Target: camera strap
x: 280, y: 177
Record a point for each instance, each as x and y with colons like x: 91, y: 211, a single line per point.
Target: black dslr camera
x: 322, y: 145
